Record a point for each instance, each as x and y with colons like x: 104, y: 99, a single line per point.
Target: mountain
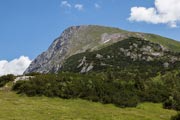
x: 83, y: 48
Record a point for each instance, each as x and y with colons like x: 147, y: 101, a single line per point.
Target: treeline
x: 91, y: 87
x: 122, y: 88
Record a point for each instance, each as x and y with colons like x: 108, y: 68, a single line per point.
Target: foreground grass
x: 18, y: 107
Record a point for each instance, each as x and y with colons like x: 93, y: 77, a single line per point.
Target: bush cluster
x: 123, y: 88
x: 5, y: 79
x: 176, y: 117
x: 90, y: 87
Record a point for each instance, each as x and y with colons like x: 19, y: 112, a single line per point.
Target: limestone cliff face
x: 52, y: 59
x: 78, y: 39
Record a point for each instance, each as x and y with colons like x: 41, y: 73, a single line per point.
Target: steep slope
x: 128, y: 53
x: 78, y: 39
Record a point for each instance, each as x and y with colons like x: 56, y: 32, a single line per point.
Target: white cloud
x: 96, y: 5
x: 16, y: 66
x: 164, y: 12
x: 79, y: 6
x: 65, y: 4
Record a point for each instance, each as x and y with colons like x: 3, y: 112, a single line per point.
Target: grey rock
x: 157, y: 54
x: 131, y: 47
x: 135, y: 45
x: 83, y: 70
x: 99, y: 56
x: 166, y: 64
x: 122, y: 49
x: 52, y: 59
x: 149, y: 58
x: 103, y: 64
x: 128, y: 54
x: 87, y: 68
x: 108, y: 56
x: 83, y: 61
x: 22, y: 78
x: 112, y: 37
x: 90, y: 67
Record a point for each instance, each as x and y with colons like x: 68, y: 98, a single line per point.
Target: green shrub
x: 176, y: 117
x: 33, y: 74
x: 123, y: 88
x: 5, y: 79
x: 170, y: 103
x: 70, y: 85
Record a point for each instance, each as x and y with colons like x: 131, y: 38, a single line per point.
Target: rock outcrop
x: 52, y: 59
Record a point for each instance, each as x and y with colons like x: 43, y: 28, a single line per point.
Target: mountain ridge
x: 79, y: 39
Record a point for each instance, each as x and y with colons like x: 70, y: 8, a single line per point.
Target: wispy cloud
x: 96, y: 5
x: 16, y: 66
x: 79, y: 6
x: 66, y: 4
x: 70, y: 6
x: 164, y: 12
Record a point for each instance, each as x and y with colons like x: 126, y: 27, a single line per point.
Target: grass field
x: 20, y: 107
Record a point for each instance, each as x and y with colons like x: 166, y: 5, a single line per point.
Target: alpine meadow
x: 113, y: 60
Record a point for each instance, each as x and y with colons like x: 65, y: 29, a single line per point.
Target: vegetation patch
x: 20, y: 107
x: 107, y: 87
x: 5, y: 79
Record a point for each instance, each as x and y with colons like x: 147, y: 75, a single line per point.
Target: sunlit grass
x: 19, y: 107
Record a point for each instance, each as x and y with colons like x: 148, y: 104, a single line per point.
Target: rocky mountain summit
x: 82, y: 39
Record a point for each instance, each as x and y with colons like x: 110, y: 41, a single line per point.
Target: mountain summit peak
x: 78, y: 39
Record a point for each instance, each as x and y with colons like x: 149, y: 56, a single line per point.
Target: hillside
x: 129, y: 75
x: 19, y: 107
x: 128, y: 54
x: 78, y: 39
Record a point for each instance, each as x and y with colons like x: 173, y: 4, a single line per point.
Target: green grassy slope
x: 16, y: 107
x: 91, y: 36
x: 166, y: 42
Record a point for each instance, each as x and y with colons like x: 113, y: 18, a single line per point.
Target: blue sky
x: 28, y: 27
